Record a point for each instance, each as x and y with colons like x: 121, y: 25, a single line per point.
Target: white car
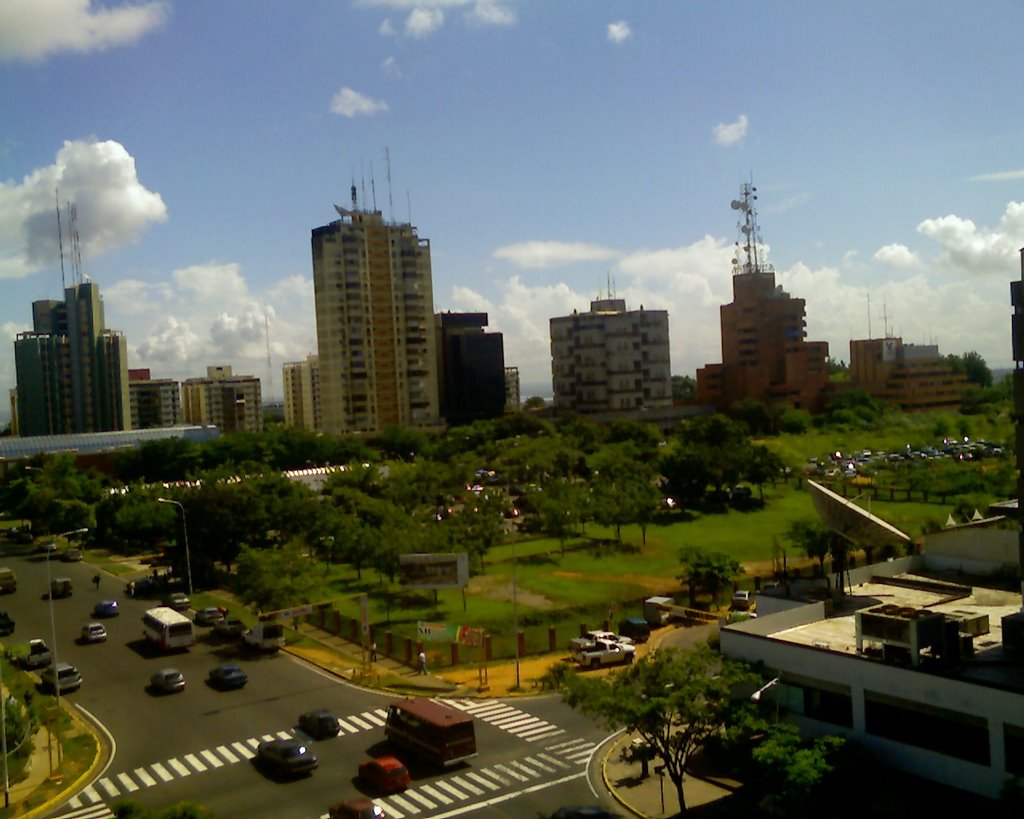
x: 64, y: 675
x: 94, y: 633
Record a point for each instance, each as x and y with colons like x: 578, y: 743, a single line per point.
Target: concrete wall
x: 973, y: 547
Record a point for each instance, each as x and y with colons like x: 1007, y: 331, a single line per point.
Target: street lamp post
x: 53, y: 642
x: 515, y: 610
x: 184, y: 529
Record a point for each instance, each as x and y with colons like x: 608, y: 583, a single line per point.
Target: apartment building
x: 375, y: 324
x: 224, y: 400
x: 610, y: 359
x: 155, y: 402
x: 302, y: 393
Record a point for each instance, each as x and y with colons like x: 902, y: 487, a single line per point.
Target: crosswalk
x: 507, y: 718
x: 500, y: 715
x: 482, y: 783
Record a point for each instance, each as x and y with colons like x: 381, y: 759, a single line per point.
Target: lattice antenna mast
x: 752, y: 250
x: 76, y: 247
x: 60, y: 241
x: 387, y: 166
x: 270, y: 370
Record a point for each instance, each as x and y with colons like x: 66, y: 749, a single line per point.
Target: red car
x: 356, y: 809
x: 385, y: 774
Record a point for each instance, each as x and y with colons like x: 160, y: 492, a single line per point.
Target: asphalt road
x: 534, y: 754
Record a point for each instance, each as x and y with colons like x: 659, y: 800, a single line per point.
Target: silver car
x: 63, y: 676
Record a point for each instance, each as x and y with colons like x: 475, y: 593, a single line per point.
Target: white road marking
x: 143, y: 776
x: 161, y: 771
x: 494, y: 800
x: 436, y: 794
x: 212, y: 758
x: 127, y: 782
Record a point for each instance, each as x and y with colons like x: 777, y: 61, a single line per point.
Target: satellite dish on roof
x: 736, y: 204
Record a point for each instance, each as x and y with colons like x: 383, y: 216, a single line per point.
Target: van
x: 8, y: 581
x: 431, y: 731
x: 60, y: 587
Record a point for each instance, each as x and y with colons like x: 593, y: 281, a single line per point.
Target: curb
x: 102, y: 750
x: 615, y: 747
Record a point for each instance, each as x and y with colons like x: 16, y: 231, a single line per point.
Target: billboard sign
x: 434, y: 571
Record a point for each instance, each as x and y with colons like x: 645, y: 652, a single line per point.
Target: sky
x: 552, y: 152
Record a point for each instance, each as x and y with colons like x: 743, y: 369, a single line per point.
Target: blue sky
x: 544, y: 147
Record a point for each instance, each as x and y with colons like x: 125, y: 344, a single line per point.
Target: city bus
x: 167, y: 628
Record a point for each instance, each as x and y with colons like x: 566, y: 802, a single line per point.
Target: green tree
x: 811, y: 538
x: 676, y: 701
x: 707, y: 571
x: 795, y: 769
x: 684, y: 389
x: 272, y: 579
x: 534, y: 403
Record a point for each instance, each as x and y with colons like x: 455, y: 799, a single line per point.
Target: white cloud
x: 619, y: 31
x: 351, y: 104
x: 35, y: 29
x: 966, y: 249
x: 386, y: 29
x: 729, y: 133
x: 422, y: 22
x: 390, y: 68
x: 898, y: 256
x: 491, y: 13
x: 999, y: 176
x: 208, y: 314
x: 552, y: 254
x: 113, y: 207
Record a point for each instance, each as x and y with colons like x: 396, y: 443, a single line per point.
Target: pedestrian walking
x: 96, y: 581
x: 373, y: 652
x: 423, y: 663
x: 131, y: 588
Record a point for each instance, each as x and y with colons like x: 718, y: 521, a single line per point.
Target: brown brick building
x: 765, y: 354
x: 911, y: 376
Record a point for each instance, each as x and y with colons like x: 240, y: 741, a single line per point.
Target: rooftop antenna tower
x: 608, y: 286
x: 354, y: 200
x: 387, y: 166
x: 751, y: 252
x: 373, y: 187
x: 408, y: 202
x: 362, y: 181
x: 60, y: 241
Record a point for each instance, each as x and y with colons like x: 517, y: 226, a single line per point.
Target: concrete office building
x: 72, y: 372
x: 302, y: 393
x: 224, y: 400
x: 610, y: 359
x: 374, y: 323
x: 470, y: 368
x: 910, y: 376
x: 765, y: 354
x: 155, y: 403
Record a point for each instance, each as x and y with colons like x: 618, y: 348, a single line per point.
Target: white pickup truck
x: 595, y: 653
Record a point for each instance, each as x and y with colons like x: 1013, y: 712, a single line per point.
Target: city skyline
x: 549, y: 152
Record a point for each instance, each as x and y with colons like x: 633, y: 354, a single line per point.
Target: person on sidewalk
x: 373, y: 652
x: 423, y: 663
x: 96, y: 581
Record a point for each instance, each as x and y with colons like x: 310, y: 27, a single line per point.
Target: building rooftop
x: 887, y: 605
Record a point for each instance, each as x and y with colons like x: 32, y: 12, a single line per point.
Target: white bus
x: 167, y: 628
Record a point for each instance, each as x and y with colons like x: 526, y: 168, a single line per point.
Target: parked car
x: 229, y: 628
x: 62, y: 675
x: 208, y: 616
x: 742, y: 600
x: 227, y: 676
x: 71, y: 555
x: 167, y: 681
x: 179, y: 601
x: 319, y: 724
x: 93, y: 633
x: 384, y: 774
x: 38, y: 655
x: 105, y: 608
x: 286, y: 757
x: 356, y: 809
